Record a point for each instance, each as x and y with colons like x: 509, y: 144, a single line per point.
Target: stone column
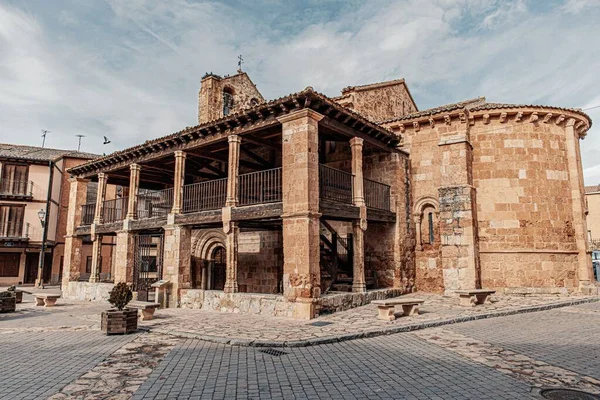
x: 585, y: 272
x: 177, y: 261
x: 179, y: 180
x: 72, y: 254
x: 419, y: 240
x: 233, y: 170
x: 458, y: 212
x: 300, y: 170
x: 134, y: 185
x: 359, y: 226
x: 358, y: 195
x: 100, y: 197
x: 96, y: 259
x: 232, y: 231
x: 124, y: 257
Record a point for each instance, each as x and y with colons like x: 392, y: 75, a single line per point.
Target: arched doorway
x: 218, y: 268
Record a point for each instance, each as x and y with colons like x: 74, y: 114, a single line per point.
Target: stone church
x: 309, y: 204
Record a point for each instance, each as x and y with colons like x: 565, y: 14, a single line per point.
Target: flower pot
x: 119, y: 322
x: 8, y: 304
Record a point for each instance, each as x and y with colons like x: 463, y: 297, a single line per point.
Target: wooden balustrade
x: 115, y: 210
x: 377, y: 195
x: 335, y: 185
x: 154, y: 203
x: 87, y: 213
x: 260, y: 187
x: 208, y: 195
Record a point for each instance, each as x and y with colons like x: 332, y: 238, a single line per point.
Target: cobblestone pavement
x: 244, y: 329
x: 59, y: 353
x: 399, y: 366
x: 36, y: 365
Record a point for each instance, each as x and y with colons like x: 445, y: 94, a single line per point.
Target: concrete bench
x: 46, y: 300
x: 146, y: 309
x: 387, y: 308
x: 471, y: 298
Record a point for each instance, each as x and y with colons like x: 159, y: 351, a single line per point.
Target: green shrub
x: 120, y: 295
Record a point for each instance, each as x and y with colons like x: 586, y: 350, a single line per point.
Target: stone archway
x: 206, y: 244
x: 426, y: 211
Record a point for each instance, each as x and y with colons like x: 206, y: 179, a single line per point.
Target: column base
x: 359, y: 287
x: 304, y: 309
x: 589, y: 289
x: 231, y: 287
x: 39, y: 284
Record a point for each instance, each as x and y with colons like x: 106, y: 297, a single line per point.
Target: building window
x: 227, y: 101
x: 430, y: 224
x: 9, y: 264
x: 11, y: 220
x: 88, y: 265
x: 15, y: 179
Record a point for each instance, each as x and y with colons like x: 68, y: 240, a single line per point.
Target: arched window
x: 254, y: 102
x: 430, y: 224
x: 227, y: 101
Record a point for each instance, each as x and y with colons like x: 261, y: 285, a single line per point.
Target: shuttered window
x: 11, y: 221
x: 15, y: 179
x: 9, y: 264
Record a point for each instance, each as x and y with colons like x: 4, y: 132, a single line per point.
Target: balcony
x: 14, y: 231
x: 154, y: 203
x: 10, y: 188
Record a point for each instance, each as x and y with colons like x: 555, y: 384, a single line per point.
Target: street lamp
x: 42, y: 217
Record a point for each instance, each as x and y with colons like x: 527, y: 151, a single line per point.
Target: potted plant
x: 18, y: 293
x: 8, y: 302
x: 119, y: 319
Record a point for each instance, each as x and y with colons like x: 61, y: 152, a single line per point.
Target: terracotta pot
x: 119, y: 322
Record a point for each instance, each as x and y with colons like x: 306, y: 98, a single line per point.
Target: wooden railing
x: 88, y: 211
x: 209, y: 195
x: 377, y: 195
x: 14, y: 230
x: 260, y: 187
x: 16, y: 188
x: 335, y: 185
x: 115, y: 210
x: 154, y: 203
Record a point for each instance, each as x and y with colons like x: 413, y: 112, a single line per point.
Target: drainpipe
x: 40, y: 279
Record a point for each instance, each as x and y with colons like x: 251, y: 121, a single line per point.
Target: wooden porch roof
x: 262, y: 116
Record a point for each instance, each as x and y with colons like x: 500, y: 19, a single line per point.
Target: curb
x: 365, y: 334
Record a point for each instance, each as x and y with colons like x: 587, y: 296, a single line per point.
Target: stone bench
x: 471, y: 298
x: 146, y: 309
x: 387, y: 308
x: 46, y: 300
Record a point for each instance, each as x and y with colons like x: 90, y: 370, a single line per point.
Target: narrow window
x: 227, y: 101
x: 88, y: 265
x: 430, y: 228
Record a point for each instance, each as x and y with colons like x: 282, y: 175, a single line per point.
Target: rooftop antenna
x: 79, y: 144
x: 240, y: 62
x: 44, y: 132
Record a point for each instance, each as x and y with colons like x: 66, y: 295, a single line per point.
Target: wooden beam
x: 347, y: 131
x: 255, y: 157
x: 262, y: 142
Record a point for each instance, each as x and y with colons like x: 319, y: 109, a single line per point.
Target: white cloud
x: 131, y: 70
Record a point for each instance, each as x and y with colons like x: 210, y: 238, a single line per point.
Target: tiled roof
x: 479, y: 104
x: 372, y: 85
x: 39, y: 153
x: 592, y: 189
x: 230, y: 121
x: 446, y: 107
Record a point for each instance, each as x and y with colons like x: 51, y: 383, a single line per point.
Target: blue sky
x: 131, y: 70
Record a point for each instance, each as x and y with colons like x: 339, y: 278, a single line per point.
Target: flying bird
x: 106, y: 141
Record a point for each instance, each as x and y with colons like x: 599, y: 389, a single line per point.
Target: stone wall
x: 380, y: 101
x: 87, y: 291
x: 344, y: 301
x: 526, y: 231
x: 260, y: 262
x: 246, y: 303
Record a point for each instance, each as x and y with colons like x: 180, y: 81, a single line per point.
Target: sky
x: 130, y: 70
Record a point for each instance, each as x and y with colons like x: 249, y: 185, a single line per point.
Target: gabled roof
x: 33, y: 153
x: 346, y: 92
x: 247, y: 118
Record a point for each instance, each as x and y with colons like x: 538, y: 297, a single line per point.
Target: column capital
x: 73, y: 179
x: 102, y: 175
x: 180, y: 153
x: 234, y: 139
x: 135, y: 167
x: 304, y: 113
x: 570, y: 122
x: 356, y: 141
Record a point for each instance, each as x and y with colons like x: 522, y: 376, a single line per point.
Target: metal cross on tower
x: 240, y: 62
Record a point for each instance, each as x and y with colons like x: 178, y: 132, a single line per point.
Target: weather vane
x: 44, y: 133
x: 240, y: 62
